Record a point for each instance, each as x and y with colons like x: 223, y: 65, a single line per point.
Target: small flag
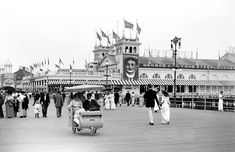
x: 128, y: 24
x: 115, y: 36
x: 98, y: 36
x: 103, y: 34
x: 73, y: 61
x: 31, y: 68
x: 48, y: 61
x: 60, y: 61
x: 57, y: 66
x: 70, y: 68
x: 108, y: 40
x: 138, y: 28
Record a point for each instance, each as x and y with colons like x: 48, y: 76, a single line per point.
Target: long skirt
x: 141, y: 102
x: 107, y: 104
x: 220, y: 105
x: 165, y: 113
x: 9, y: 111
x: 112, y: 104
x: 77, y: 115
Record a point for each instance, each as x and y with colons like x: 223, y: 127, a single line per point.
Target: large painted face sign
x: 131, y: 67
x: 9, y: 82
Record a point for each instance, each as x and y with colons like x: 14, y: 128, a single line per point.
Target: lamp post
x: 70, y: 73
x: 106, y: 65
x: 174, y: 42
x: 47, y: 89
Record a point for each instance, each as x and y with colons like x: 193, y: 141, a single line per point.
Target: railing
x: 205, y: 103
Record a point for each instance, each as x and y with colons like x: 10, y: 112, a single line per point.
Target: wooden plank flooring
x: 125, y: 129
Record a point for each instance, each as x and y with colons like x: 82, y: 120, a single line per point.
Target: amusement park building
x: 122, y: 67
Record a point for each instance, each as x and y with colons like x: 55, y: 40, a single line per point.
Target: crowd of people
x: 17, y: 103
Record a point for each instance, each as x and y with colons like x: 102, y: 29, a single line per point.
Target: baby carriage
x: 88, y: 119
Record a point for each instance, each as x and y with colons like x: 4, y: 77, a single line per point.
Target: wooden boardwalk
x: 125, y: 129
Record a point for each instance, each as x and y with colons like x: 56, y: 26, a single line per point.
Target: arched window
x: 130, y: 49
x: 215, y: 77
x: 135, y: 50
x: 168, y: 76
x: 180, y: 76
x: 203, y: 77
x: 143, y: 75
x: 192, y: 76
x: 225, y: 77
x: 126, y: 48
x: 156, y: 76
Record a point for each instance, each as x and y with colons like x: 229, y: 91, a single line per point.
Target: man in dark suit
x: 150, y: 97
x: 90, y: 104
x: 58, y: 99
x: 116, y: 97
x: 128, y: 97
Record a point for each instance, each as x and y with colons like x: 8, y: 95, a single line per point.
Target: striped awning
x: 156, y: 81
x: 79, y: 82
x: 54, y: 81
x: 93, y: 82
x: 228, y: 83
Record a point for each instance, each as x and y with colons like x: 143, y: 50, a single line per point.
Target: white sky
x: 31, y: 30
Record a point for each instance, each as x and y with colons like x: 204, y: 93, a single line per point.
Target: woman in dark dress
x: 9, y: 104
x: 1, y: 103
x: 25, y: 106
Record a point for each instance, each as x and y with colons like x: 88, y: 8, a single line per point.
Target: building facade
x: 121, y: 66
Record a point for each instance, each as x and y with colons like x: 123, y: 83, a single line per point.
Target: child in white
x: 165, y: 108
x: 106, y: 100
x: 37, y: 108
x: 220, y: 104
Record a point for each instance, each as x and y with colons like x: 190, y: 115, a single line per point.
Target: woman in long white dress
x: 165, y: 108
x: 111, y: 100
x: 220, y: 104
x: 106, y: 101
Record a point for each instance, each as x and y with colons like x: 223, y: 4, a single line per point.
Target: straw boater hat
x: 165, y: 93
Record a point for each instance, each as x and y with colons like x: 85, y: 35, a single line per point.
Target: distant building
x: 121, y: 66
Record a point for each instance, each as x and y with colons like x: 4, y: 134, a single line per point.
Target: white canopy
x: 85, y: 87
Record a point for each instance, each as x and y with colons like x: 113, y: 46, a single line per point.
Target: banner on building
x: 130, y: 66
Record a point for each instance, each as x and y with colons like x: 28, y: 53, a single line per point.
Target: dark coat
x: 25, y: 103
x: 150, y: 97
x: 46, y: 101
x: 58, y: 99
x: 128, y: 96
x: 91, y: 105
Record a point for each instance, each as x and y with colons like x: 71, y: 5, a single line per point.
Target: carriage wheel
x: 74, y: 130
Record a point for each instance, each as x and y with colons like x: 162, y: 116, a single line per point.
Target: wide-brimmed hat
x: 165, y: 93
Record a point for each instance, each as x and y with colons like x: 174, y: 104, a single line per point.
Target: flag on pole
x: 48, y: 61
x: 31, y: 68
x: 108, y: 40
x: 115, y: 36
x: 73, y: 61
x: 70, y: 68
x: 128, y: 24
x: 138, y: 28
x: 60, y: 61
x: 103, y: 34
x: 57, y: 66
x: 98, y: 36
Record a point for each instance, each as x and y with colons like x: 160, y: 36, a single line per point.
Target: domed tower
x: 101, y: 51
x: 8, y: 67
x: 1, y: 69
x: 127, y: 57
